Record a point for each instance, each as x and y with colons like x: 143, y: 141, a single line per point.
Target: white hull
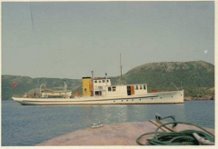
x: 149, y: 98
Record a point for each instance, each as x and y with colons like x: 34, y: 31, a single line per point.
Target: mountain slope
x: 196, y: 77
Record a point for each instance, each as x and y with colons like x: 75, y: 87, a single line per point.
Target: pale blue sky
x: 69, y: 39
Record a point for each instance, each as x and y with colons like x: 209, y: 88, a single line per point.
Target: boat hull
x: 173, y: 97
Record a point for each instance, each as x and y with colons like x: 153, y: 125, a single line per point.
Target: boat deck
x: 115, y: 134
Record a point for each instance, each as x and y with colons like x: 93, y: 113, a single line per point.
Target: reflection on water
x: 128, y: 113
x: 104, y: 114
x: 29, y: 125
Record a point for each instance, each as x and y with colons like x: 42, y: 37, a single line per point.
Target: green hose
x: 185, y: 137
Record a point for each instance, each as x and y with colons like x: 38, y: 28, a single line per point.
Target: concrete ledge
x: 115, y: 134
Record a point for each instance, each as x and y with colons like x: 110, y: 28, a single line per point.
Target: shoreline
x: 189, y: 98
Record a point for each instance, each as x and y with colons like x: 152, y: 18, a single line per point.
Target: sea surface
x: 30, y: 125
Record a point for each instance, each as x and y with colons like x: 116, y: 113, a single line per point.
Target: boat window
x: 99, y: 81
x: 95, y: 81
x: 107, y: 80
x: 114, y: 88
x: 136, y: 87
x: 144, y: 87
x: 109, y: 89
x: 98, y: 93
x: 140, y: 87
x: 103, y: 81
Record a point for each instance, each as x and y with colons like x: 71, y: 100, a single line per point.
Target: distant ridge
x: 195, y: 77
x: 173, y: 64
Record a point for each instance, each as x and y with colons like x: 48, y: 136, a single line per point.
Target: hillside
x: 196, y: 78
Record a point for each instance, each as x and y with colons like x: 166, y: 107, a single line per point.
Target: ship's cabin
x: 103, y: 87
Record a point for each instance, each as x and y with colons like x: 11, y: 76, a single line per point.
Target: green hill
x: 196, y: 78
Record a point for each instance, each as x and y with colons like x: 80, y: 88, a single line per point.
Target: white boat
x: 100, y: 91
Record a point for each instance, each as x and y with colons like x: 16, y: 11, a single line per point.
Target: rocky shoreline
x: 189, y: 98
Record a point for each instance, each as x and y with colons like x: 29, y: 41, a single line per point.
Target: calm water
x: 29, y: 125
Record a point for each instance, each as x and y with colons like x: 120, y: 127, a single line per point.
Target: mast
x: 121, y: 74
x: 92, y: 84
x: 92, y: 72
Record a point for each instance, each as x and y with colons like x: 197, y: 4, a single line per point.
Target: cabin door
x: 128, y: 90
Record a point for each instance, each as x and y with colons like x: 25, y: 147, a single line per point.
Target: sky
x: 70, y: 39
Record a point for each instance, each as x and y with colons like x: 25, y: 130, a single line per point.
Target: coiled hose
x: 186, y: 137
